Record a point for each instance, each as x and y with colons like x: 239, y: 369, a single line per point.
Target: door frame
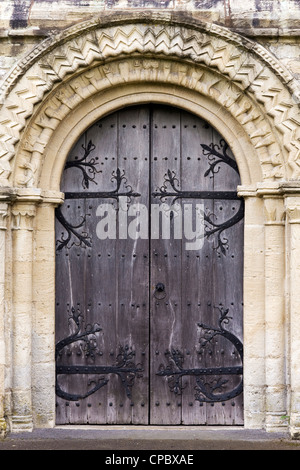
x: 254, y: 230
x: 30, y: 179
x: 167, y: 395
x: 254, y: 206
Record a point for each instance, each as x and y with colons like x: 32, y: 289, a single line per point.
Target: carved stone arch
x: 92, y: 69
x: 264, y: 97
x: 82, y: 100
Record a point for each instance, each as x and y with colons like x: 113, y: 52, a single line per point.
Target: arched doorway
x: 48, y: 103
x: 148, y: 320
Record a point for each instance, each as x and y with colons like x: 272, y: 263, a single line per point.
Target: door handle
x: 160, y: 287
x: 160, y: 292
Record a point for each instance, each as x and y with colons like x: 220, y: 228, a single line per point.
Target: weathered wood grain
x: 112, y: 282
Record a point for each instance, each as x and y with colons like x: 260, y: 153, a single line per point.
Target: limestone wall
x: 273, y: 23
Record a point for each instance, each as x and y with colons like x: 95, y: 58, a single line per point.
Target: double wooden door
x: 148, y: 319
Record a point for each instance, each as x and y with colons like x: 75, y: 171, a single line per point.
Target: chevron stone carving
x: 197, y: 78
x: 236, y: 72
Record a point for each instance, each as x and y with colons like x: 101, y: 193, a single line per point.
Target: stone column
x: 275, y: 287
x: 23, y: 213
x: 43, y: 355
x: 254, y: 305
x: 293, y: 213
x: 3, y: 218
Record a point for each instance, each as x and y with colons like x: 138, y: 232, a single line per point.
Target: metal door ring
x: 160, y: 292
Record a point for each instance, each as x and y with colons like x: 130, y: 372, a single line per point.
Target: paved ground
x: 132, y: 440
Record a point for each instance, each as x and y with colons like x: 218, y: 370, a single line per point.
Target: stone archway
x: 74, y: 78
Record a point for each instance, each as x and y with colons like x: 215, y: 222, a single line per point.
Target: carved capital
x: 55, y: 198
x: 3, y: 216
x: 23, y: 216
x: 293, y: 213
x: 274, y: 211
x: 292, y: 204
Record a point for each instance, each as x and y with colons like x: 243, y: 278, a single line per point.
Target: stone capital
x: 268, y: 188
x: 53, y: 197
x: 246, y: 191
x: 3, y: 215
x: 292, y: 205
x: 274, y: 210
x: 293, y: 213
x: 22, y: 216
x: 29, y: 195
x: 290, y: 188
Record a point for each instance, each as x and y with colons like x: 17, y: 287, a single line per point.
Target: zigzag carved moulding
x: 196, y: 78
x: 249, y: 67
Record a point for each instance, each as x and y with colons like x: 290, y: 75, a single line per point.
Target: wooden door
x: 148, y: 322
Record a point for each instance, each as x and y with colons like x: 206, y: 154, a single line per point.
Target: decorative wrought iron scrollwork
x: 172, y: 180
x: 217, y: 154
x: 117, y: 176
x: 124, y: 366
x: 204, y: 392
x: 87, y: 167
x: 214, y: 391
x: 211, y: 227
x: 83, y: 238
x: 72, y: 230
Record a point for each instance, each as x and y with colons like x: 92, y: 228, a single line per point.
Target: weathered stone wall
x: 273, y: 23
x: 248, y: 14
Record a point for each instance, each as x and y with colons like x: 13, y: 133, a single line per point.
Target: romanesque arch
x: 74, y: 78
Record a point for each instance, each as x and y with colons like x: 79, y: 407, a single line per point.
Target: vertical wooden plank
x: 208, y: 317
x: 100, y: 271
x: 69, y: 296
x: 165, y: 405
x: 133, y: 260
x: 197, y: 288
x: 228, y: 287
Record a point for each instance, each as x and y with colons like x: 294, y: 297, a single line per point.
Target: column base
x: 21, y: 424
x: 277, y: 422
x: 3, y: 428
x: 295, y: 432
x: 295, y: 426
